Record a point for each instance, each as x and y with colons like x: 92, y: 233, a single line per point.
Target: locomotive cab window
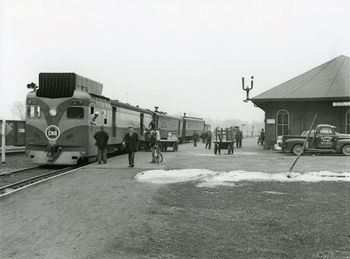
x: 75, y: 112
x: 33, y: 111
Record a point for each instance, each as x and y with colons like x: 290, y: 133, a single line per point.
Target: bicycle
x: 157, y: 155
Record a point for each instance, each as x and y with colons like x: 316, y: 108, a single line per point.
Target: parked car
x: 324, y: 138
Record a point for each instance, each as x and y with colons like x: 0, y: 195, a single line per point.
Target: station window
x: 33, y: 111
x: 75, y: 112
x: 347, y: 122
x: 282, y: 122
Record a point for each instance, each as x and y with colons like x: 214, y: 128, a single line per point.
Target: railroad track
x: 23, y: 178
x: 20, y: 179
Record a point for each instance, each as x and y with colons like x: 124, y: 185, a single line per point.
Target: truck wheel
x: 297, y: 149
x: 346, y: 150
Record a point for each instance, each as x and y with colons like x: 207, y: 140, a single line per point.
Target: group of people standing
x: 130, y: 143
x: 206, y: 138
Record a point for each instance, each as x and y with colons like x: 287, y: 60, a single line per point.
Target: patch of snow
x: 205, y: 155
x: 212, y: 184
x: 273, y: 192
x: 234, y: 153
x: 246, y: 153
x: 208, y: 178
x: 173, y: 176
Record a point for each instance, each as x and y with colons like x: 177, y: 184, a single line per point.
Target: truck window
x: 75, y: 112
x: 326, y: 131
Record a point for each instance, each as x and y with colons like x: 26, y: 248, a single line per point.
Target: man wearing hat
x: 101, y: 143
x: 131, y: 143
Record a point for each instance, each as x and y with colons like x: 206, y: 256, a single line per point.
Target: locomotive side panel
x: 126, y: 118
x: 100, y: 114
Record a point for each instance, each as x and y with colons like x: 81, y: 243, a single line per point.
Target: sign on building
x: 270, y: 121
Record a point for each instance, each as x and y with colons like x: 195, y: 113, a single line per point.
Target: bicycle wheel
x: 159, y: 156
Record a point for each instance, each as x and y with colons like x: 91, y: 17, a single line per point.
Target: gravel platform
x: 101, y: 211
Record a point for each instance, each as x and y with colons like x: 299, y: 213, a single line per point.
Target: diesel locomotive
x: 65, y: 111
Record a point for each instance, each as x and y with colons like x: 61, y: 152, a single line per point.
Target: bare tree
x: 18, y: 109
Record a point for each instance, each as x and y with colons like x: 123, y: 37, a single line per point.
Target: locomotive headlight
x: 52, y: 112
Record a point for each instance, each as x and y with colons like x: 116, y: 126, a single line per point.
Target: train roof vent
x: 63, y: 85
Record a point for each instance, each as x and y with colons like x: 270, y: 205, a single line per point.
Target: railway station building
x: 291, y: 106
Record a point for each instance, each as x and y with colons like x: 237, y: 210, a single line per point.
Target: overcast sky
x: 184, y: 56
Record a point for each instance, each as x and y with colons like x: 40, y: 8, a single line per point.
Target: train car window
x: 92, y: 110
x: 75, y: 112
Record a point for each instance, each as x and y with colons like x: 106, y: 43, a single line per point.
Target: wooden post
x: 302, y: 149
x: 3, y: 142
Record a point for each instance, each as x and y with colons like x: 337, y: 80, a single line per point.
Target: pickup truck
x: 323, y: 138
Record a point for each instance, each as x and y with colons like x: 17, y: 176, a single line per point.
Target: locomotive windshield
x: 75, y: 112
x: 33, y: 111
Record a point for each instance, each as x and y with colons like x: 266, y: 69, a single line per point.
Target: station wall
x: 300, y: 116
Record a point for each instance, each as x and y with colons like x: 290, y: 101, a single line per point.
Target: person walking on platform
x: 195, y: 138
x: 238, y: 138
x: 153, y: 143
x: 262, y: 137
x: 203, y: 136
x: 101, y: 138
x: 131, y: 143
x: 208, y: 139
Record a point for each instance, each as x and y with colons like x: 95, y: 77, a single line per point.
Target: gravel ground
x: 103, y: 212
x: 15, y: 161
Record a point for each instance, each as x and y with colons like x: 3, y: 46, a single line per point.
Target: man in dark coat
x: 101, y: 143
x: 195, y: 138
x: 262, y: 137
x: 203, y: 136
x: 238, y: 138
x: 131, y: 143
x: 208, y: 139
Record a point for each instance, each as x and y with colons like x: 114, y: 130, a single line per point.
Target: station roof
x: 329, y: 81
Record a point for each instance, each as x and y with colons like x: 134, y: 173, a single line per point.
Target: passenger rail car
x: 190, y: 126
x: 169, y: 124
